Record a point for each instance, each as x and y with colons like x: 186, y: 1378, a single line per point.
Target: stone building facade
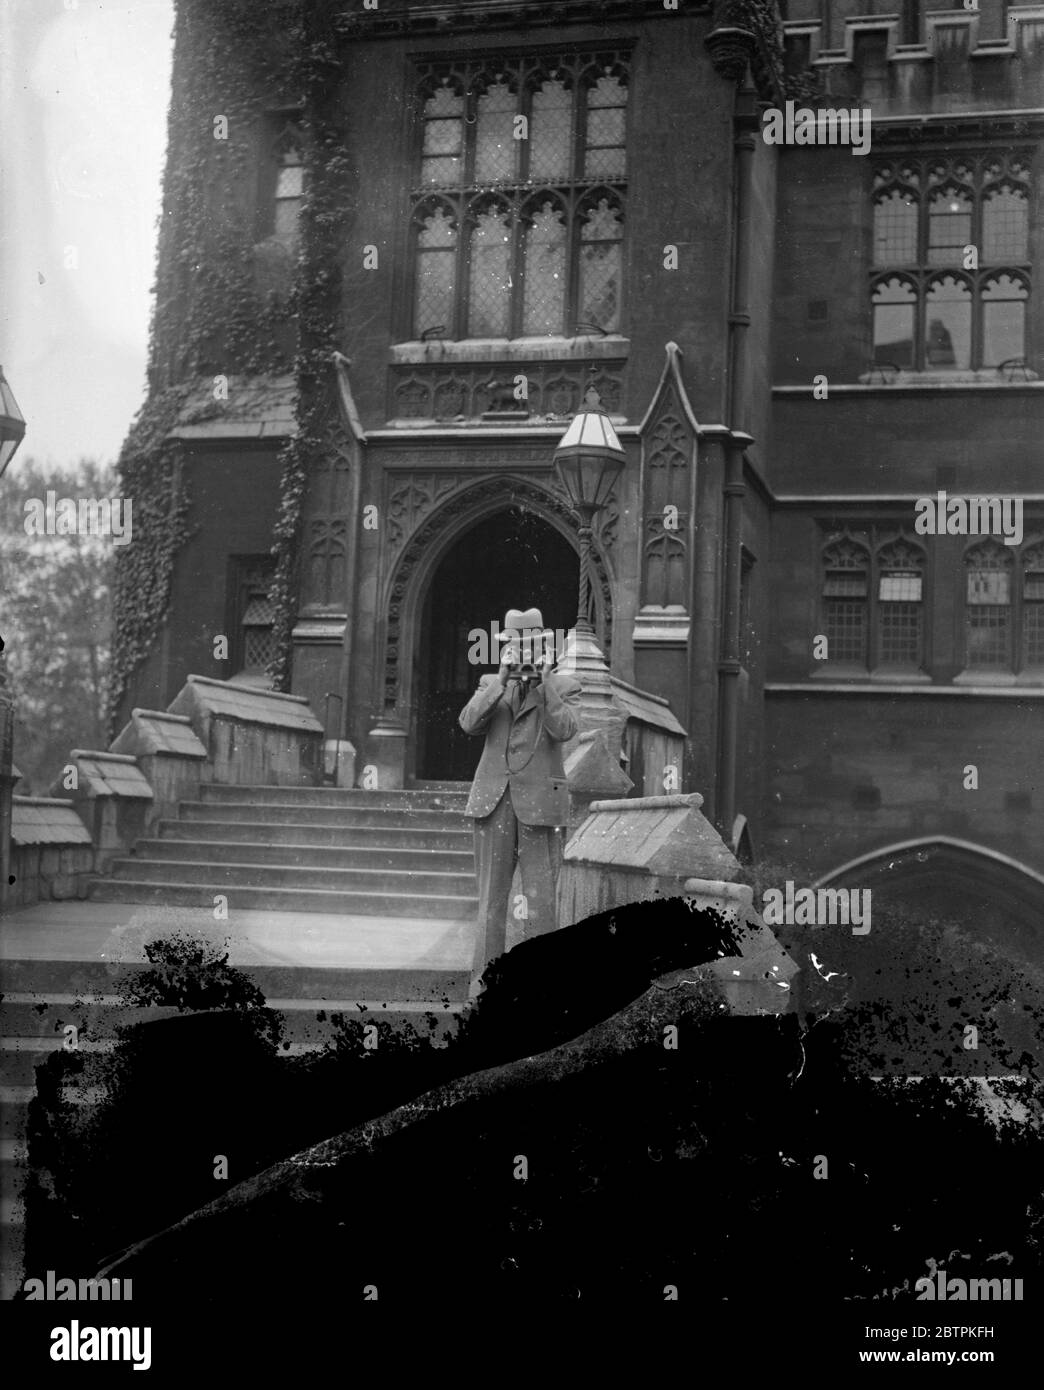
x: 793, y: 341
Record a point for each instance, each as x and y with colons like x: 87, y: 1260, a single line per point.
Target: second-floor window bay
x: 518, y: 196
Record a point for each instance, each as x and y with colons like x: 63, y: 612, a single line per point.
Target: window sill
x: 881, y: 675
x: 1023, y: 691
x: 984, y: 677
x: 983, y: 376
x: 614, y: 345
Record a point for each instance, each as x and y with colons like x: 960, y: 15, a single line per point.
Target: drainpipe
x: 730, y: 662
x: 736, y: 406
x: 352, y: 429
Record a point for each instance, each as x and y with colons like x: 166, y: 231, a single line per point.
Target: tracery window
x: 1004, y: 607
x: 286, y: 183
x: 519, y: 202
x: 873, y: 601
x: 951, y: 270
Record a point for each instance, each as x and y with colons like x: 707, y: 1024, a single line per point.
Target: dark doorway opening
x: 514, y: 559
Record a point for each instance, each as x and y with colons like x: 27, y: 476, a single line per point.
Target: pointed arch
x: 438, y: 533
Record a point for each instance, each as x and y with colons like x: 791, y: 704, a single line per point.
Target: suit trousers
x: 501, y: 840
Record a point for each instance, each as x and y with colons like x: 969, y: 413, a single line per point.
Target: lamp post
x: 12, y: 431
x: 588, y: 461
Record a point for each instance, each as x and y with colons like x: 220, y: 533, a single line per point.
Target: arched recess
x: 404, y: 592
x: 995, y: 897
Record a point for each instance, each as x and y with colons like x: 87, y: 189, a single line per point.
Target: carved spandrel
x: 410, y: 500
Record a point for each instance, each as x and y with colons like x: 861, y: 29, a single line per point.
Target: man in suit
x: 519, y: 798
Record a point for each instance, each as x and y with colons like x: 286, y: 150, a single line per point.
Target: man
x: 520, y: 796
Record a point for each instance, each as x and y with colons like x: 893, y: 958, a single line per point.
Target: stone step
x: 89, y: 979
x: 13, y: 1159
x: 388, y: 818
x: 385, y: 836
x: 390, y: 882
x: 19, y: 1057
x: 12, y: 1256
x: 383, y: 858
x: 429, y: 799
x: 182, y: 894
x: 307, y: 1022
x: 12, y: 1213
x: 14, y: 1103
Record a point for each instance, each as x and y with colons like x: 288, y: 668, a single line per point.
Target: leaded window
x: 519, y: 204
x: 873, y: 601
x: 287, y: 183
x: 846, y: 576
x: 1033, y: 606
x: 900, y: 605
x: 988, y: 623
x: 253, y: 625
x: 1004, y: 607
x: 951, y: 270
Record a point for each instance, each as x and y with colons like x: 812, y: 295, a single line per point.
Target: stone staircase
x: 307, y: 849
x: 394, y: 854
x: 41, y: 998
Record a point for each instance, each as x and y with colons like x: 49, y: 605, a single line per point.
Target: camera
x: 527, y: 653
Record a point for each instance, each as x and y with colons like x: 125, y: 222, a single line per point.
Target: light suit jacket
x: 539, y: 791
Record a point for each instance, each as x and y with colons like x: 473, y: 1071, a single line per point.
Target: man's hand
x: 543, y: 667
x: 508, y: 659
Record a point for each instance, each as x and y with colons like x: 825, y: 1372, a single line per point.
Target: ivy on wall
x: 318, y: 301
x: 216, y: 310
x: 213, y: 312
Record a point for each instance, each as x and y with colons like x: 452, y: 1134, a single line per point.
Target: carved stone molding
x: 410, y: 497
x: 468, y: 390
x: 749, y: 31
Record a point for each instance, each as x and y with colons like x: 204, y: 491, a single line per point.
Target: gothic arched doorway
x: 512, y: 559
